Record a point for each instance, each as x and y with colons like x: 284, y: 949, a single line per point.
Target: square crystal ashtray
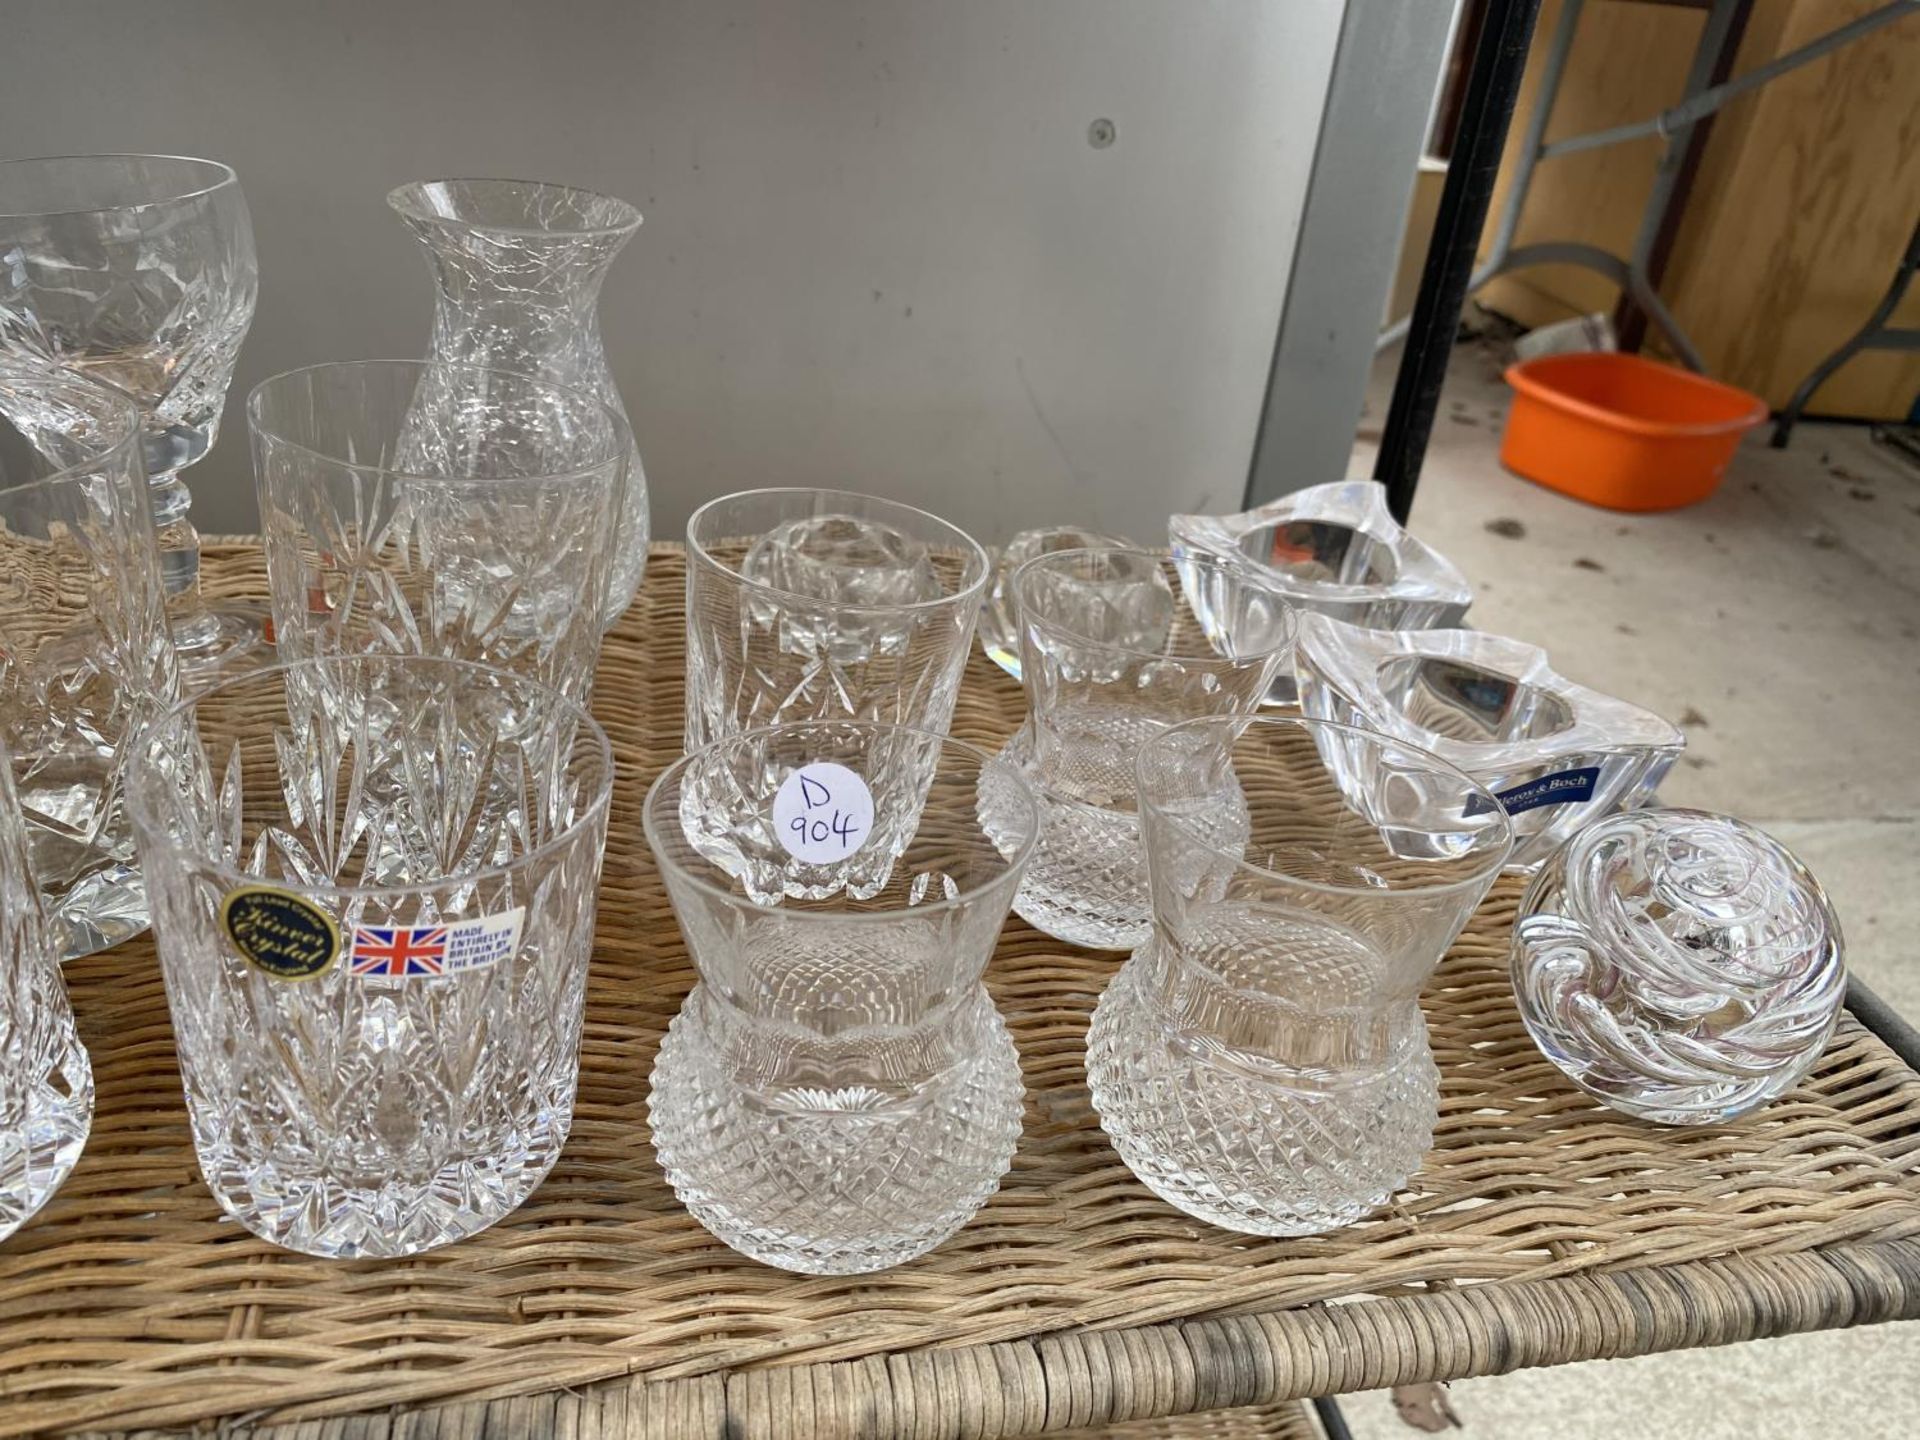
x: 1556, y: 754
x: 1336, y: 550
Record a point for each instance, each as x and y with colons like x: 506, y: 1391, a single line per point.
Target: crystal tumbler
x: 1110, y: 658
x: 1681, y: 966
x: 46, y: 1081
x: 373, y: 883
x: 423, y: 508
x: 1556, y: 754
x: 85, y: 658
x: 1262, y: 1062
x: 1335, y: 549
x: 814, y: 604
x: 999, y: 632
x: 838, y: 1094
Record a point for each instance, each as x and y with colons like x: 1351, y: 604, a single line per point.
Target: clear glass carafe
x: 1262, y: 1062
x: 517, y: 266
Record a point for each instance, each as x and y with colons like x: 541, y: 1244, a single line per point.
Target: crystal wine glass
x: 138, y: 272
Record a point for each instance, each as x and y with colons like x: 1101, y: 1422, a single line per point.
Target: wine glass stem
x: 179, y: 544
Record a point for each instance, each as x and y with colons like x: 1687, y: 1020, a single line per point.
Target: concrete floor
x: 1777, y: 622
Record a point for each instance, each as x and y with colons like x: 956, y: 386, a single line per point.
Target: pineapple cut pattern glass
x: 85, y: 655
x: 1261, y: 1061
x: 1110, y: 657
x: 1337, y: 550
x: 818, y: 604
x: 415, y: 508
x: 46, y: 1079
x: 838, y: 1094
x: 401, y: 1073
x: 1558, y: 755
x: 517, y: 269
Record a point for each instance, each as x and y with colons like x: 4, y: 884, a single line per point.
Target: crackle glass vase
x: 1111, y: 657
x: 413, y: 507
x: 85, y: 658
x: 812, y: 604
x: 46, y: 1079
x: 838, y: 1094
x: 373, y: 882
x: 1261, y: 1061
x: 1681, y: 966
x: 138, y: 271
x: 517, y: 269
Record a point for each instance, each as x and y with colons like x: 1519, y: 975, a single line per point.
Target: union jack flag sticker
x: 400, y: 951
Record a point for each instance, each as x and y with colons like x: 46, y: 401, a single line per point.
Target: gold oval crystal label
x: 279, y: 932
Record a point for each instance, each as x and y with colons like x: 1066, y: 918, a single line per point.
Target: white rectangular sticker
x: 395, y: 951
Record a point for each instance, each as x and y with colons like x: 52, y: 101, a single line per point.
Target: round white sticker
x: 822, y: 813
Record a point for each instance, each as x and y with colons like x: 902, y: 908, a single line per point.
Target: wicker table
x: 1543, y: 1228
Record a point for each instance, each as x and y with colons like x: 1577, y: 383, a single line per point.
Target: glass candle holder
x: 1262, y: 1062
x: 373, y: 882
x: 1337, y: 550
x: 838, y: 1094
x: 1680, y: 966
x: 1111, y: 657
x: 1557, y: 755
x: 46, y: 1079
x: 85, y: 656
x: 418, y: 508
x: 812, y: 604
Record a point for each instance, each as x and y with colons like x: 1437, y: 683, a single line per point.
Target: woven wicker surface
x: 1071, y: 1301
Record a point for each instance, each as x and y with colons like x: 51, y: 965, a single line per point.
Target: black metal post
x: 1493, y: 85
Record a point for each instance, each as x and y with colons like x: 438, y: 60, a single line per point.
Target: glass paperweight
x: 1681, y: 966
x: 1555, y: 754
x: 999, y: 632
x: 1337, y: 550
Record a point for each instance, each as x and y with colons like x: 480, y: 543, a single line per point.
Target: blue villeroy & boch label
x: 279, y: 933
x: 1563, y: 787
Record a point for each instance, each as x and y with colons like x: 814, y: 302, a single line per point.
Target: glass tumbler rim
x: 976, y: 560
x: 223, y: 175
x: 619, y: 447
x: 127, y: 417
x: 1490, y: 866
x: 147, y: 822
x: 402, y: 199
x: 656, y: 831
x: 1289, y: 608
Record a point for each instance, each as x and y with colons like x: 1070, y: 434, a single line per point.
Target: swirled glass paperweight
x: 1335, y: 549
x: 1681, y: 966
x: 1555, y: 754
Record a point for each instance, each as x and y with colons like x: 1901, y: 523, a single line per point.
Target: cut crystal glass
x: 85, y: 654
x: 416, y: 508
x: 400, y: 1072
x: 1556, y: 754
x: 1261, y: 1061
x: 1681, y: 966
x: 813, y: 604
x: 1110, y: 657
x: 517, y: 268
x: 1337, y: 550
x: 46, y: 1079
x: 138, y: 272
x: 999, y: 634
x: 838, y: 1094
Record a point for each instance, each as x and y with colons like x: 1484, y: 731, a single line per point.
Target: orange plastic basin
x: 1622, y: 431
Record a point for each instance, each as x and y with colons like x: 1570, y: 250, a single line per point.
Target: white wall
x: 879, y: 251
